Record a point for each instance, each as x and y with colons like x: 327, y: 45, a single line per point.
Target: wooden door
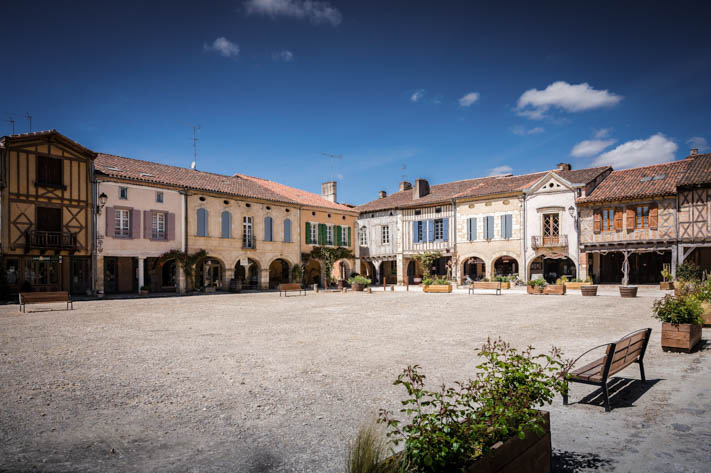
x: 551, y: 229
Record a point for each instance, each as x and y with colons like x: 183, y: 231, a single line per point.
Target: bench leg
x: 607, y: 396
x: 641, y: 371
x: 565, y: 399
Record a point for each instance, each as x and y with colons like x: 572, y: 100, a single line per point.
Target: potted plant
x: 628, y: 291
x: 535, y: 286
x: 681, y: 321
x: 358, y: 283
x: 589, y: 289
x: 504, y: 280
x: 577, y: 283
x: 487, y: 284
x: 667, y: 284
x: 485, y: 424
x: 703, y: 295
x: 557, y: 289
x: 144, y: 290
x: 439, y: 285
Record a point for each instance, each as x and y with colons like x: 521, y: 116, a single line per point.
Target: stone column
x: 583, y: 266
x: 675, y: 258
x: 180, y: 279
x: 401, y: 268
x: 99, y: 273
x: 264, y: 279
x: 141, y: 270
x: 229, y: 274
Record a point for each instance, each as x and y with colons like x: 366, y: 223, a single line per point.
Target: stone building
x: 48, y: 212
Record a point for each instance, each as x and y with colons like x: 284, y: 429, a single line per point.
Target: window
x: 123, y: 227
x: 344, y: 236
x: 642, y: 217
x: 159, y: 197
x: 49, y: 219
x: 202, y: 222
x: 123, y: 193
x: 385, y: 235
x: 551, y: 228
x: 287, y: 230
x: 608, y: 220
x: 418, y: 231
x: 363, y: 236
x: 247, y: 233
x: 329, y: 234
x: 49, y: 171
x: 314, y: 234
x: 439, y: 229
x: 158, y: 227
x: 226, y: 224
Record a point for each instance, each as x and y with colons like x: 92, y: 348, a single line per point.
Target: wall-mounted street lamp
x: 102, y: 202
x: 571, y: 211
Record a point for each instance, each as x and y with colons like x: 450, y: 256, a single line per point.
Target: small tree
x: 297, y: 273
x: 427, y: 259
x: 187, y: 261
x: 328, y: 256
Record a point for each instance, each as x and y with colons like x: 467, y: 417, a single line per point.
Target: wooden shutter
x: 321, y: 234
x: 170, y: 224
x: 337, y: 234
x: 147, y: 224
x: 618, y: 220
x: 430, y: 230
x: 110, y: 222
x: 135, y: 223
x: 653, y: 216
x: 509, y: 226
x: 226, y: 224
x: 445, y: 222
x: 415, y: 227
x: 490, y: 227
x: 597, y: 221
x: 630, y: 218
x: 308, y: 233
x: 349, y: 237
x: 475, y: 230
x: 267, y: 229
x: 469, y: 229
x: 287, y: 230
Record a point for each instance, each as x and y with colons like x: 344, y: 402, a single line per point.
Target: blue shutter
x: 287, y: 230
x: 509, y: 226
x: 415, y: 227
x: 474, y: 228
x: 267, y: 229
x: 485, y: 228
x: 503, y: 226
x: 445, y: 222
x: 471, y: 229
x: 202, y: 222
x: 226, y: 224
x: 490, y: 225
x: 430, y: 230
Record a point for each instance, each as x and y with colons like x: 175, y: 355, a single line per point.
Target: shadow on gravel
x: 703, y: 345
x: 262, y: 462
x: 573, y: 462
x: 624, y: 392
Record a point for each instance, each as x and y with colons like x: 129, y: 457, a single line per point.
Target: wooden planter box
x: 357, y: 287
x: 577, y: 285
x: 144, y: 292
x: 433, y: 288
x: 554, y: 289
x: 210, y: 289
x: 666, y: 286
x: 589, y: 290
x: 680, y: 337
x: 707, y: 313
x: 628, y: 291
x: 534, y: 289
x: 533, y: 454
x: 491, y: 285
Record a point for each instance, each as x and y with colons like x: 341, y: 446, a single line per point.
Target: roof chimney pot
x: 382, y: 194
x: 694, y: 152
x: 422, y: 188
x: 564, y: 167
x: 328, y: 191
x: 405, y: 186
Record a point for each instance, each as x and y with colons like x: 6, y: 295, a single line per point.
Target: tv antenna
x: 403, y: 168
x: 333, y: 158
x: 29, y: 118
x: 196, y: 128
x: 11, y: 121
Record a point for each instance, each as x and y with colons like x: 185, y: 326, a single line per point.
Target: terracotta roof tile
x: 636, y: 183
x: 35, y: 134
x: 698, y: 172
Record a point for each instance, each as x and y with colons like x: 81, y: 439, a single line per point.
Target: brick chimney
x: 694, y: 152
x: 422, y: 188
x: 382, y: 194
x: 328, y: 191
x: 564, y: 167
x: 405, y: 186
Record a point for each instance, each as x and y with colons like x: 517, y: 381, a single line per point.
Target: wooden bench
x: 44, y: 297
x: 290, y: 287
x: 618, y: 356
x: 486, y: 285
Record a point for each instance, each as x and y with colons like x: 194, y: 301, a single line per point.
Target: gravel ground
x: 258, y: 383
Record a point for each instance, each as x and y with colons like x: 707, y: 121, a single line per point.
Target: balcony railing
x: 249, y: 242
x: 549, y: 241
x: 41, y: 240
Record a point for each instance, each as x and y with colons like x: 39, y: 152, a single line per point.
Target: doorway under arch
x: 209, y: 273
x: 249, y: 275
x: 278, y: 273
x: 312, y: 273
x: 475, y: 268
x: 552, y: 267
x: 505, y: 266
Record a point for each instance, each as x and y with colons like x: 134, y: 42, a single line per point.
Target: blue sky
x: 450, y: 90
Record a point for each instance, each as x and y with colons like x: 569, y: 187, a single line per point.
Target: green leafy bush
x: 540, y: 282
x: 359, y: 280
x: 441, y: 281
x: 447, y: 429
x: 666, y: 274
x: 678, y: 310
x: 703, y: 291
x: 689, y: 272
x: 561, y: 280
x: 427, y: 282
x: 485, y: 280
x: 502, y: 278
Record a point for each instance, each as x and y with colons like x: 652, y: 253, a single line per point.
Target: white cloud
x: 500, y: 170
x: 314, y: 11
x: 603, y: 133
x: 523, y: 131
x: 469, y: 99
x: 589, y: 148
x: 654, y: 150
x: 534, y: 103
x: 223, y: 46
x: 284, y: 56
x: 417, y: 95
x: 699, y: 143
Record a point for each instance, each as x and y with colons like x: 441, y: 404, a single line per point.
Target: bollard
x: 392, y: 288
x: 343, y: 290
x: 370, y: 291
x: 315, y: 287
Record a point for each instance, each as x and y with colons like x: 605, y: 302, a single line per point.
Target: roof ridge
x: 168, y: 165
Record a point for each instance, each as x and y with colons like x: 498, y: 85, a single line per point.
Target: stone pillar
x: 229, y: 274
x: 401, y: 268
x: 99, y: 273
x: 141, y: 270
x: 583, y: 266
x: 596, y: 266
x: 264, y: 279
x: 377, y: 274
x: 675, y: 258
x: 180, y: 279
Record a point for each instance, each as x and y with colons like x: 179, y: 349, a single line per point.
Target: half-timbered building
x: 694, y: 215
x: 47, y: 212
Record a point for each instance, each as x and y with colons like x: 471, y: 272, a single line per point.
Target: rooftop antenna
x: 12, y: 122
x: 29, y: 118
x: 404, y: 174
x: 196, y: 128
x: 332, y: 157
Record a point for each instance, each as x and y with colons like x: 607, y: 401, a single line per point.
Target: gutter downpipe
x: 455, y: 269
x: 525, y: 227
x: 94, y: 230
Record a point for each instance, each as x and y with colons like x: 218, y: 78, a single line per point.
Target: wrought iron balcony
x: 57, y: 241
x: 249, y: 242
x: 557, y: 241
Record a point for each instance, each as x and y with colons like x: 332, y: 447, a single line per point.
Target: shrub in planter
x: 144, y: 290
x: 535, y: 286
x: 667, y: 284
x: 689, y: 272
x: 457, y: 427
x: 358, y: 283
x: 681, y: 318
x: 554, y: 289
x: 628, y: 291
x: 436, y: 285
x: 703, y: 294
x: 588, y: 290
